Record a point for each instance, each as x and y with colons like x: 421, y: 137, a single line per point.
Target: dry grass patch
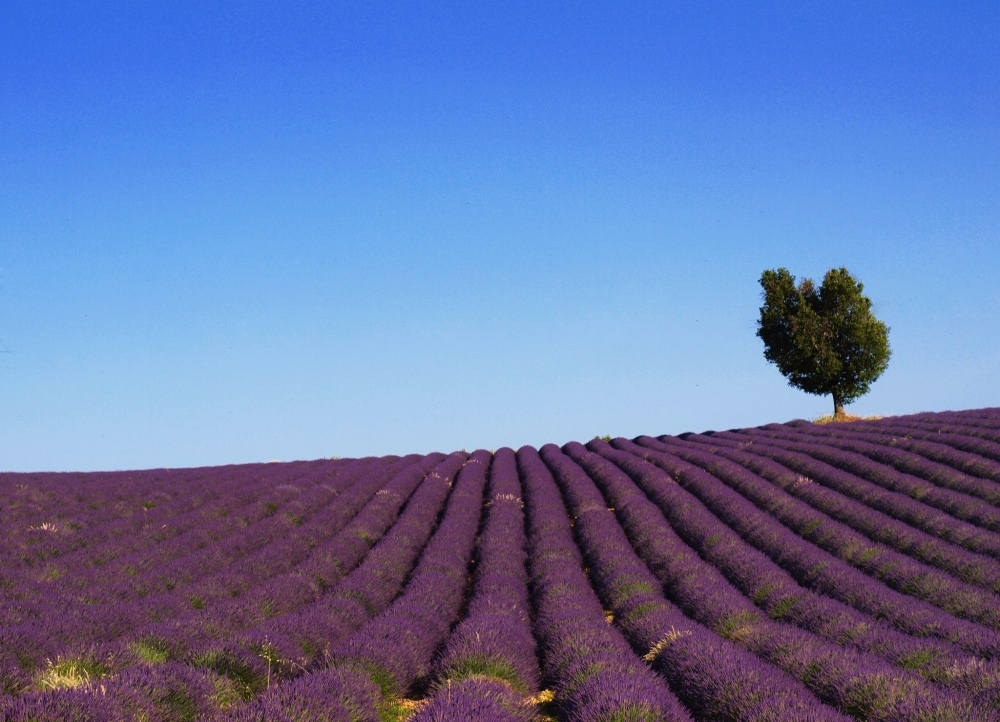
x: 70, y: 673
x: 831, y: 419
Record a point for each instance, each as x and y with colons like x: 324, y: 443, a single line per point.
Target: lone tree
x: 824, y: 341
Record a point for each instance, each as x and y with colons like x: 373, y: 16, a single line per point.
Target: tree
x: 824, y: 341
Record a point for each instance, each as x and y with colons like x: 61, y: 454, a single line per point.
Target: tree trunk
x: 838, y: 406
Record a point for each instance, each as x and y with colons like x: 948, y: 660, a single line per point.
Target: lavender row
x: 669, y: 531
x: 123, y: 686
x: 888, y: 451
x: 590, y: 665
x: 302, y: 640
x: 896, y: 493
x: 105, y: 504
x: 129, y: 629
x: 30, y: 505
x: 396, y: 647
x: 390, y: 648
x: 225, y: 488
x: 93, y: 591
x: 939, y: 448
x: 713, y: 676
x: 46, y: 557
x: 281, y: 577
x: 210, y: 530
x: 327, y: 695
x: 228, y: 564
x: 988, y: 417
x: 970, y: 456
x: 488, y: 667
x: 860, y: 684
x: 754, y: 509
x: 113, y: 497
x: 347, y: 695
x: 869, y: 507
x: 477, y: 699
x: 780, y: 595
x: 378, y: 640
x: 898, y: 570
x: 276, y: 546
x: 962, y: 499
x: 289, y: 645
x: 963, y: 431
x: 94, y: 567
x: 162, y: 693
x: 33, y: 632
x: 970, y: 429
x: 494, y: 638
x: 928, y: 457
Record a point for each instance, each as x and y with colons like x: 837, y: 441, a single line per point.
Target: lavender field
x: 788, y: 572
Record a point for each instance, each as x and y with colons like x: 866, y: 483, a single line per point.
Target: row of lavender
x: 786, y: 572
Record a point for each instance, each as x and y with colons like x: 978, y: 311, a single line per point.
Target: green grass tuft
x: 634, y: 712
x: 247, y: 682
x: 483, y: 666
x: 781, y: 607
x: 152, y: 649
x: 736, y: 625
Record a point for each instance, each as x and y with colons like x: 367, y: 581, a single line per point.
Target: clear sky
x: 246, y: 230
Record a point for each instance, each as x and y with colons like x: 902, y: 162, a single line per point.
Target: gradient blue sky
x: 243, y: 231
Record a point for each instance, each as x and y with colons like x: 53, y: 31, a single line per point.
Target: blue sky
x: 246, y: 231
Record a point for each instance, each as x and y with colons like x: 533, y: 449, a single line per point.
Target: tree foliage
x: 826, y: 340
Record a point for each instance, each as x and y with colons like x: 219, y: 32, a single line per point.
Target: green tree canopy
x: 826, y: 340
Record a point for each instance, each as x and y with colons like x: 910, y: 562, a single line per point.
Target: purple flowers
x: 789, y: 572
x: 494, y: 638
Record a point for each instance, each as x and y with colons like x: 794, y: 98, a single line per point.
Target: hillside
x: 788, y: 572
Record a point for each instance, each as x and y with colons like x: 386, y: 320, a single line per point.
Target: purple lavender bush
x: 790, y: 572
